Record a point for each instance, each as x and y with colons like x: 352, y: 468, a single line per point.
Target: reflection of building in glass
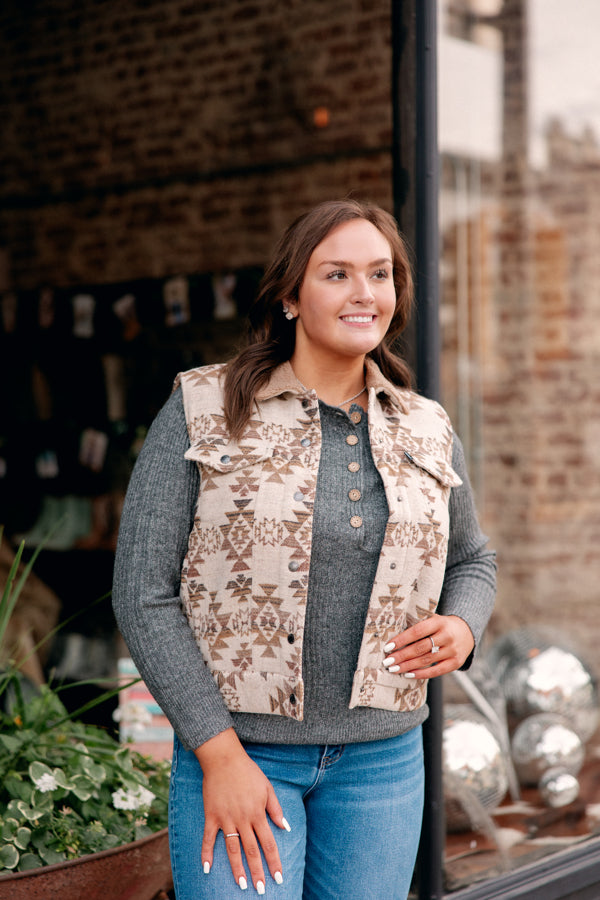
x: 520, y: 300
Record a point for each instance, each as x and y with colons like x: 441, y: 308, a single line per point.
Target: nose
x: 364, y: 290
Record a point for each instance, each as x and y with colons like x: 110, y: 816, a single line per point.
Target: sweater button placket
x: 354, y: 494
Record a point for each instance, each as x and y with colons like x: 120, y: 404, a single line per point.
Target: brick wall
x: 146, y: 138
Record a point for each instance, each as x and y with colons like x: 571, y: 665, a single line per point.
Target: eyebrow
x: 348, y: 265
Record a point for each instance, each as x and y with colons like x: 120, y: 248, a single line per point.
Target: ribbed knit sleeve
x: 469, y: 587
x: 153, y: 537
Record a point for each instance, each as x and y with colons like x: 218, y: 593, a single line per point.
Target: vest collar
x: 283, y: 380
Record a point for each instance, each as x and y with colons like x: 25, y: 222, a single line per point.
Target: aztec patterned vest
x: 245, y: 576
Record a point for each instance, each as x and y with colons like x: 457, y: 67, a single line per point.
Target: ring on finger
x: 434, y: 646
x: 232, y: 834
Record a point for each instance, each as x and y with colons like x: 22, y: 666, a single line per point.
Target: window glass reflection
x: 519, y: 120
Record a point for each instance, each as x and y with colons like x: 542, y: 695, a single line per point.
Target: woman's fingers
x: 270, y: 850
x: 208, y: 843
x: 261, y: 839
x: 234, y: 852
x: 248, y: 843
x: 274, y: 809
x: 435, y: 646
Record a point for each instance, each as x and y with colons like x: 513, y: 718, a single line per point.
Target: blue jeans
x: 354, y: 810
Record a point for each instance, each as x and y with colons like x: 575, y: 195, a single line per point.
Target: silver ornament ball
x: 558, y: 787
x: 474, y: 768
x: 542, y: 742
x: 539, y: 673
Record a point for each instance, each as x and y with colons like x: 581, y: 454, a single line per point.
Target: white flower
x: 134, y: 798
x: 45, y: 783
x: 133, y: 715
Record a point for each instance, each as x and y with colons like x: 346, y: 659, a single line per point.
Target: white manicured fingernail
x: 206, y: 868
x: 286, y: 824
x: 394, y: 669
x: 389, y: 647
x: 409, y: 674
x: 278, y: 877
x: 389, y: 661
x: 243, y: 883
x: 260, y: 887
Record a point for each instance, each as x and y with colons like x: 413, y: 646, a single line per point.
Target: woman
x: 290, y: 525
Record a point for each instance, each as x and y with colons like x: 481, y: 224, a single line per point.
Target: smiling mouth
x: 359, y: 320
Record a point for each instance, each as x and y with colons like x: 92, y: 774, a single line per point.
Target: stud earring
x: 289, y: 315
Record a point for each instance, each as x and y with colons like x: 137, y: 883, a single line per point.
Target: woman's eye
x: 381, y: 274
x: 337, y: 275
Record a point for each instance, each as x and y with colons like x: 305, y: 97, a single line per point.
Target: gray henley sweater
x: 155, y: 525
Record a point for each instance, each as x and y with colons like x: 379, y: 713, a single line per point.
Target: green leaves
x: 60, y: 799
x: 95, y: 772
x: 63, y: 786
x: 13, y: 833
x: 15, y: 839
x: 11, y: 742
x: 60, y: 778
x: 82, y: 787
x: 9, y: 856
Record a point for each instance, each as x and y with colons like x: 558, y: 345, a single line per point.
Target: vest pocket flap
x: 229, y: 456
x: 434, y: 466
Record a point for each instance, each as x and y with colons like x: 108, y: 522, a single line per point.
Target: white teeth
x: 359, y: 319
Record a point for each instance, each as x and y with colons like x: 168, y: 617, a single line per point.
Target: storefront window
x: 519, y: 120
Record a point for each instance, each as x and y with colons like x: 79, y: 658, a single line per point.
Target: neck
x: 332, y: 384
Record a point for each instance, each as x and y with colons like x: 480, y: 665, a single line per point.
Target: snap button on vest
x: 352, y: 439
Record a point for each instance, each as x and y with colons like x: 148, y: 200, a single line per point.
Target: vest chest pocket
x: 434, y: 466
x: 228, y: 456
x: 230, y: 474
x: 426, y: 483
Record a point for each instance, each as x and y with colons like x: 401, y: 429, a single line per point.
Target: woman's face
x: 347, y: 297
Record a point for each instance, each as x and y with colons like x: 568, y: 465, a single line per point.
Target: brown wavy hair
x: 272, y: 337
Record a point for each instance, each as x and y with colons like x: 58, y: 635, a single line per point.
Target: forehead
x: 354, y: 239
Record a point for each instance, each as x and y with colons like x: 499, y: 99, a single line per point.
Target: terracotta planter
x: 136, y: 871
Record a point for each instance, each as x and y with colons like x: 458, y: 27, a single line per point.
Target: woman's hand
x: 237, y: 799
x: 433, y: 647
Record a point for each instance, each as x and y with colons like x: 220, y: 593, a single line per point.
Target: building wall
x: 541, y: 410
x: 148, y: 138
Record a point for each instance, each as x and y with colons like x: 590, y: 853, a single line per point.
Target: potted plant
x: 81, y: 815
